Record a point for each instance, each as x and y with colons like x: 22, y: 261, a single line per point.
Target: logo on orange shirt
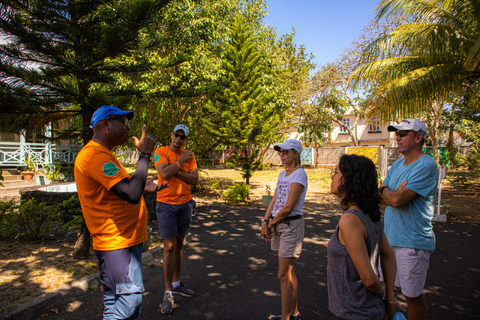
x: 110, y: 169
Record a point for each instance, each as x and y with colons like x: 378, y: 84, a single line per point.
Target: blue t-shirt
x: 410, y: 225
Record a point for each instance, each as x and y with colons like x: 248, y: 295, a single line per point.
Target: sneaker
x: 183, y: 291
x: 292, y: 317
x: 167, y: 304
x: 298, y: 317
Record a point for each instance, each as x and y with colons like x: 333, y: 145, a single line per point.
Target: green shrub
x: 6, y: 211
x: 215, y: 185
x: 55, y: 174
x: 74, y: 208
x: 238, y: 192
x: 454, y: 157
x: 37, y: 219
x: 472, y: 159
x: 29, y: 219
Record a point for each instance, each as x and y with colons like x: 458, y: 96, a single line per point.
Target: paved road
x: 234, y: 272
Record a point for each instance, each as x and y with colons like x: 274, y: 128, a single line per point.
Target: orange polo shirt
x: 179, y: 191
x: 113, y: 223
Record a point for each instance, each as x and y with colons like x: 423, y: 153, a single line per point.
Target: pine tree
x: 242, y: 110
x: 60, y: 60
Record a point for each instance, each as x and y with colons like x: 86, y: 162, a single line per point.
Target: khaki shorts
x: 288, y: 238
x: 412, y: 266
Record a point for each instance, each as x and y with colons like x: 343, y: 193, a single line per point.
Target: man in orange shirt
x: 177, y: 167
x: 114, y: 209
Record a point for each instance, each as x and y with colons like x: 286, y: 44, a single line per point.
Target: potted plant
x: 266, y: 199
x: 30, y: 171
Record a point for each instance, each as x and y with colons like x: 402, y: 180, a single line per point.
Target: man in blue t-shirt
x: 409, y: 193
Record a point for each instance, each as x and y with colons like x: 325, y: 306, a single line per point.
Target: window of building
x: 374, y: 126
x: 342, y: 129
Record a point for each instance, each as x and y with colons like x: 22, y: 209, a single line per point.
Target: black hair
x: 359, y: 185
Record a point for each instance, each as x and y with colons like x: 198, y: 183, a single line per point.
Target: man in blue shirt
x: 409, y: 193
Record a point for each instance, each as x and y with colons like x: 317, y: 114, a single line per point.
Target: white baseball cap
x: 410, y: 124
x: 183, y: 128
x: 288, y: 145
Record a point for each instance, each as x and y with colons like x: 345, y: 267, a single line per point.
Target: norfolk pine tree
x: 59, y: 61
x: 241, y: 111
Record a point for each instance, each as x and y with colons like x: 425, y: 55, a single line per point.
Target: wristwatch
x: 264, y: 220
x: 381, y: 189
x: 147, y: 155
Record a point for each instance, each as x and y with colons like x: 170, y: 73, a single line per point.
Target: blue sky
x: 325, y: 27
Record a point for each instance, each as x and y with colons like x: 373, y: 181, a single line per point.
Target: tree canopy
x: 430, y: 58
x: 61, y: 57
x: 242, y: 112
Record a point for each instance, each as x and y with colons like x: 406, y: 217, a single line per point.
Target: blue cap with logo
x: 182, y: 127
x: 107, y: 111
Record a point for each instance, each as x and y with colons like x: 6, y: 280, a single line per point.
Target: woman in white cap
x: 284, y: 225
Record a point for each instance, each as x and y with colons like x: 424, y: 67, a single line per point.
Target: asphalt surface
x: 234, y: 272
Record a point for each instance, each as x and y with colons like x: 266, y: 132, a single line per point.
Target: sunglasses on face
x: 181, y: 136
x: 402, y: 134
x: 334, y: 171
x: 283, y: 151
x: 124, y: 120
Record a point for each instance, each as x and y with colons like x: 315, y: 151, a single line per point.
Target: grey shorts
x: 412, y: 266
x: 174, y: 220
x: 122, y: 280
x: 288, y: 238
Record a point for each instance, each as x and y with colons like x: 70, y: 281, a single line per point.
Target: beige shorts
x: 288, y: 238
x: 412, y: 266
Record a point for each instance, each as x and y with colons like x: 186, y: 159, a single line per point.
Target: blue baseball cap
x: 182, y: 127
x: 106, y: 111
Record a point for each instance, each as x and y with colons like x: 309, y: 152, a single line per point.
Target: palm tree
x: 424, y: 63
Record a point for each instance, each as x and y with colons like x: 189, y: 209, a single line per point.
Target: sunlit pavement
x: 234, y: 272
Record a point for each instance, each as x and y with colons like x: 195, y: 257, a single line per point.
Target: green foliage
x: 427, y: 59
x: 74, y: 209
x: 472, y: 159
x: 55, y: 174
x: 6, y: 223
x: 246, y: 163
x: 454, y: 157
x: 238, y: 192
x: 94, y: 41
x: 243, y: 112
x: 216, y: 185
x: 30, y: 163
x: 34, y: 219
x: 75, y: 224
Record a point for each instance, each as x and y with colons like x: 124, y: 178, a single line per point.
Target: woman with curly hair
x: 354, y: 288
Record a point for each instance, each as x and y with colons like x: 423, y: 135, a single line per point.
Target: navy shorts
x: 174, y: 220
x: 122, y: 280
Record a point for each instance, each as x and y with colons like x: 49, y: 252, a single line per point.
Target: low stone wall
x: 54, y: 198
x: 49, y: 198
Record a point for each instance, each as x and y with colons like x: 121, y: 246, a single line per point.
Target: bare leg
x: 294, y: 309
x: 178, y: 258
x: 288, y: 286
x: 169, y: 261
x: 417, y: 308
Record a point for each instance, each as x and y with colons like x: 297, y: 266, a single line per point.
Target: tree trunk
x: 433, y: 124
x: 82, y: 245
